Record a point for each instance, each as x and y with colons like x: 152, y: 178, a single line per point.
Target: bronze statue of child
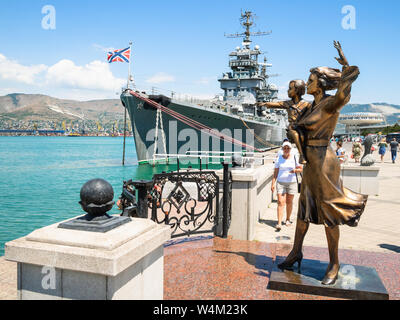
x: 295, y: 107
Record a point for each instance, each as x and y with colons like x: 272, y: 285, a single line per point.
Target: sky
x: 179, y: 45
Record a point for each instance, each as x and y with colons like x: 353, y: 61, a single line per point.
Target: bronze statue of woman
x: 323, y: 199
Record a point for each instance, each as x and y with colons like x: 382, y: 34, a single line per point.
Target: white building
x: 354, y: 122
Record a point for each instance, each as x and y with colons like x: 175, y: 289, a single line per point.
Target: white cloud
x: 94, y: 76
x: 161, y: 77
x: 12, y: 70
x: 4, y: 91
x: 102, y: 48
x: 63, y: 79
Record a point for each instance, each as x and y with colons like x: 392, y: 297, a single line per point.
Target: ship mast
x: 247, y: 21
x: 247, y: 83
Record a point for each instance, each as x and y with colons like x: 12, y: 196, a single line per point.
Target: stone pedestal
x: 360, y: 179
x: 125, y: 263
x: 251, y: 195
x: 354, y: 282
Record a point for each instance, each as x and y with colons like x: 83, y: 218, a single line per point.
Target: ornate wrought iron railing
x: 187, y: 201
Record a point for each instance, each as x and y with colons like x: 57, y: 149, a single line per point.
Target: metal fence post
x: 225, y: 201
x: 142, y: 186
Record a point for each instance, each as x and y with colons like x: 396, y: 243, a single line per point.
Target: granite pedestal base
x: 101, y: 224
x: 126, y: 263
x: 354, y: 282
x: 360, y: 179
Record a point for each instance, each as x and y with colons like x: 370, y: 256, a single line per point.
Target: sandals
x: 288, y: 223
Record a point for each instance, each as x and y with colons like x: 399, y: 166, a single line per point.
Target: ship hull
x: 181, y: 137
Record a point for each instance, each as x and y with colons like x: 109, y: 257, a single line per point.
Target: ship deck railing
x: 209, y: 104
x: 214, y: 158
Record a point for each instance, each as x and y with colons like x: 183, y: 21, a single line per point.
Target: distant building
x: 353, y: 123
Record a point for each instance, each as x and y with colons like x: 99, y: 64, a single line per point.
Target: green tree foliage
x: 386, y: 130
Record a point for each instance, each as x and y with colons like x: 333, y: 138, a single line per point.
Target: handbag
x: 298, y: 183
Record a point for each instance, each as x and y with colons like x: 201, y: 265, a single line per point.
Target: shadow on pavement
x: 271, y: 223
x: 261, y: 262
x: 390, y: 247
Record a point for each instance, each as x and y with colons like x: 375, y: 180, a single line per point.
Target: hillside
x: 391, y: 111
x: 35, y: 107
x: 40, y: 107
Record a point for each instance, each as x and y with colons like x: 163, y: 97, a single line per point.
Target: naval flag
x: 122, y: 55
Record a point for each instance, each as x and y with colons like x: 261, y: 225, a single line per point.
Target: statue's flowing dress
x: 323, y: 199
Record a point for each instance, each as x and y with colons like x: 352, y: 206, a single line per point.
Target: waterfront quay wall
x: 31, y: 132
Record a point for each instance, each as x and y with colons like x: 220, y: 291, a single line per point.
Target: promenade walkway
x: 239, y: 270
x: 379, y: 226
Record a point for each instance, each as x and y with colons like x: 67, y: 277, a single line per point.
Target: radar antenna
x: 247, y: 21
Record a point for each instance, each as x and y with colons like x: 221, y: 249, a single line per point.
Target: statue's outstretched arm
x: 342, y: 59
x: 349, y: 75
x: 274, y: 105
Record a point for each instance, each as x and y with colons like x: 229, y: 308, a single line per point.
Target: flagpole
x: 130, y: 59
x: 129, y: 79
x: 123, y: 155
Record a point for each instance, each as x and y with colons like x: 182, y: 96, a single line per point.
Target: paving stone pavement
x: 379, y: 226
x: 8, y: 280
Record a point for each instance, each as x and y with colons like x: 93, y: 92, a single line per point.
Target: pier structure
x: 9, y: 132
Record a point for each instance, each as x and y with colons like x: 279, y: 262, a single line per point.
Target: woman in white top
x: 340, y: 152
x: 286, y: 167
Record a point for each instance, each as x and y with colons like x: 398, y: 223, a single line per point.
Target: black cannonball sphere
x: 95, y: 195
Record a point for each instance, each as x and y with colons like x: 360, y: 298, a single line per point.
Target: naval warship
x: 160, y: 122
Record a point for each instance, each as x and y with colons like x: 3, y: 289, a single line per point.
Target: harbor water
x: 41, y: 178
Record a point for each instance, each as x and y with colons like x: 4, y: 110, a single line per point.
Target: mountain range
x: 35, y: 107
x: 390, y: 111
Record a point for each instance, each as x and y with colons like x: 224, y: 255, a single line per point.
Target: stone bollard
x: 251, y: 195
x: 93, y: 257
x: 361, y: 179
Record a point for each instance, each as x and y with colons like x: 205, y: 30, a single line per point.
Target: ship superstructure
x: 248, y: 81
x: 236, y: 113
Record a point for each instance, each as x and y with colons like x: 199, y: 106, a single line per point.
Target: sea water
x: 41, y: 178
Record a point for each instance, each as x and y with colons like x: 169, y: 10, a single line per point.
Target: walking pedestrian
x: 340, y: 152
x: 356, y: 150
x: 382, y: 148
x: 286, y: 167
x: 393, y: 148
